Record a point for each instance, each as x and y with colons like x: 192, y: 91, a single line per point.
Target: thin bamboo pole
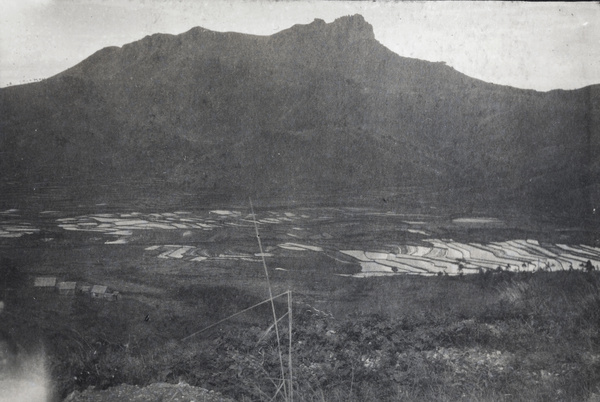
x: 231, y: 316
x: 272, y: 302
x: 291, y: 388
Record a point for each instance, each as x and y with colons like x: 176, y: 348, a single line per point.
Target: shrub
x: 10, y: 275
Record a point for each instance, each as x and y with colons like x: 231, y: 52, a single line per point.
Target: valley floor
x: 492, y: 335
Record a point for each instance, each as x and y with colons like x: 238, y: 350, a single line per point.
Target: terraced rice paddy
x: 454, y: 258
x: 12, y: 226
x: 381, y: 243
x: 123, y: 225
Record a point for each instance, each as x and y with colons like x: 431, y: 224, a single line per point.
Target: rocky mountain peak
x: 349, y: 29
x: 354, y: 26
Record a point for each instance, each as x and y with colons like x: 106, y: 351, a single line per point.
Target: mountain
x: 315, y: 112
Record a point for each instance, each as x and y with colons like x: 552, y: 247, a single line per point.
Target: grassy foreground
x: 494, y: 337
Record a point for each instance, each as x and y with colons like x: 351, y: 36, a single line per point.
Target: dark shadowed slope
x: 313, y: 112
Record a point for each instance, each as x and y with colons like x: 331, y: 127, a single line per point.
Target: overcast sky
x: 528, y: 45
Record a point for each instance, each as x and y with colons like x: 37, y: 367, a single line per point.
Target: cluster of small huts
x: 68, y: 288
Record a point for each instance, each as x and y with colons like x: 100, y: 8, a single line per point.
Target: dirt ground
x: 154, y: 392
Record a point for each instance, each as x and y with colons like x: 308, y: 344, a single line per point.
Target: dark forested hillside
x: 318, y: 111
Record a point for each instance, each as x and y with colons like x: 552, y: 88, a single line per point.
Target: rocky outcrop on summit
x: 343, y: 31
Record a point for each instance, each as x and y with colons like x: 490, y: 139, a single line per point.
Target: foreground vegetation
x: 481, y: 337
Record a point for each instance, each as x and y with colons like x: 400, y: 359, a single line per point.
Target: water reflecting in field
x: 12, y: 225
x: 378, y: 242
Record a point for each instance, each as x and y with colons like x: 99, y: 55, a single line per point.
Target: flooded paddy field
x: 177, y: 271
x: 349, y: 241
x: 303, y: 248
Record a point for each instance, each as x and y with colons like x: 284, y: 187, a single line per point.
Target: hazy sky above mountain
x: 528, y: 45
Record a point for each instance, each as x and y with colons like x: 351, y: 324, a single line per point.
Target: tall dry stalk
x: 291, y: 390
x: 285, y: 392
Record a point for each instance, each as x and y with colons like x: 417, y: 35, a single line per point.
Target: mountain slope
x: 317, y: 110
